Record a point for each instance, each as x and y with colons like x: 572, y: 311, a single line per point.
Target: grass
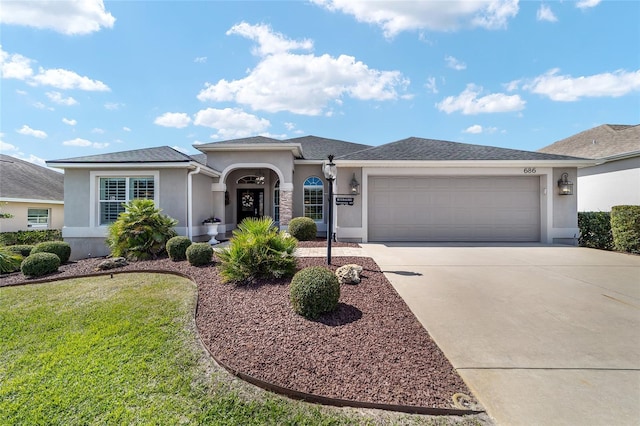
x: 123, y: 350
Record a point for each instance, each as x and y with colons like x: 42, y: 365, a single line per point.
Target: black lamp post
x: 330, y: 173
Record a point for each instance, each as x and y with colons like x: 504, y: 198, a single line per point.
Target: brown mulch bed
x: 372, y: 349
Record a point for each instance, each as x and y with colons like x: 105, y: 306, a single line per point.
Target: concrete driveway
x: 543, y: 335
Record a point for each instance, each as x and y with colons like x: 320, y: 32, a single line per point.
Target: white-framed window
x: 117, y: 190
x: 38, y: 218
x: 276, y: 201
x: 314, y: 198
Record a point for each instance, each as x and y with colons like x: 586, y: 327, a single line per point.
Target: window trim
x: 94, y: 190
x: 39, y: 225
x: 276, y: 201
x: 305, y: 186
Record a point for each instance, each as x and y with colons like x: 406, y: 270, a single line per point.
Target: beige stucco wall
x: 19, y: 211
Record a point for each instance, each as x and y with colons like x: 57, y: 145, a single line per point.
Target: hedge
x: 30, y: 237
x: 595, y: 230
x: 625, y: 227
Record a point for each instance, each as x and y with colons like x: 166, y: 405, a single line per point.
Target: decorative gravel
x: 372, y: 349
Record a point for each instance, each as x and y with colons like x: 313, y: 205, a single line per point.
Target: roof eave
x: 295, y: 148
x: 190, y: 165
x: 466, y: 163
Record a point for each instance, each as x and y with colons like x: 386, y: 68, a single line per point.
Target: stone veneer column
x: 286, y: 208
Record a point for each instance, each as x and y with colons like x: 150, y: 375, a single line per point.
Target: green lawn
x: 124, y: 350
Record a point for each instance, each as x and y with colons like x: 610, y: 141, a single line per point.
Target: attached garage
x: 454, y: 208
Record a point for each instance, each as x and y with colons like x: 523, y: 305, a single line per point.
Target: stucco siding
x: 303, y: 172
x: 610, y: 184
x: 565, y: 206
x: 172, y: 198
x: 20, y: 211
x: 77, y: 188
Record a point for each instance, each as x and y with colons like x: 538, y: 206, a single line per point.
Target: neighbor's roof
x: 419, y: 149
x: 162, y: 154
x: 599, y: 142
x: 312, y: 147
x: 21, y: 179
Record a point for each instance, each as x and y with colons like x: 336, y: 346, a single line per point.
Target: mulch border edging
x: 268, y: 386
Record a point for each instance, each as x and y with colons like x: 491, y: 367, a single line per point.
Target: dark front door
x: 250, y: 203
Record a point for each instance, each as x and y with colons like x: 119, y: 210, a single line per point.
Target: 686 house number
x: 529, y: 170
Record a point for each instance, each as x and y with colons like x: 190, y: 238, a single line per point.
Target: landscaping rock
x: 114, y: 262
x: 349, y: 274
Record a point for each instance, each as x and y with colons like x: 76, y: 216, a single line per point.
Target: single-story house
x: 411, y: 190
x: 615, y: 178
x: 33, y: 195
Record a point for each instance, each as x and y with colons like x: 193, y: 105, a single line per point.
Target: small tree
x: 141, y: 231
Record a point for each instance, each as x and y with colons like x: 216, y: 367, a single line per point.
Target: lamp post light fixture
x: 565, y: 187
x: 330, y: 172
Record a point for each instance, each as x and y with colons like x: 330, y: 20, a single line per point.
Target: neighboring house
x: 615, y: 179
x: 32, y: 194
x: 410, y: 190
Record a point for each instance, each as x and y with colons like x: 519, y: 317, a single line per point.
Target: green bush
x: 314, y: 291
x: 257, y: 250
x: 177, y: 248
x: 303, y: 228
x: 39, y: 264
x: 141, y: 231
x: 595, y: 230
x: 625, y: 226
x: 59, y: 248
x: 30, y: 237
x: 23, y: 250
x: 199, y: 254
x: 9, y: 260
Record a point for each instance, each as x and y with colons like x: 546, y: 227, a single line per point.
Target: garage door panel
x: 454, y: 208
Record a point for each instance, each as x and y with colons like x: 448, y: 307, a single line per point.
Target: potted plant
x: 212, y: 228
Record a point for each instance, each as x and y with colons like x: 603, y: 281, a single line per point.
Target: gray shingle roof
x: 599, y: 142
x: 317, y: 148
x: 419, y: 149
x: 21, y: 179
x: 162, y: 154
x: 242, y: 141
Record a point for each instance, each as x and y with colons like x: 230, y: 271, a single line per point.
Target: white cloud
x: 477, y: 129
x: 545, y: 14
x: 69, y: 122
x: 28, y: 131
x: 68, y: 17
x: 97, y: 130
x: 56, y: 97
x: 181, y: 149
x: 126, y: 129
x: 65, y: 79
x: 455, y: 63
x: 173, y: 119
x: 21, y: 92
x: 585, y: 4
x: 301, y: 83
x: 566, y: 88
x: 84, y: 143
x: 469, y: 102
x: 112, y: 106
x: 431, y: 85
x: 14, y: 66
x: 5, y: 146
x: 395, y: 17
x: 200, y: 59
x: 231, y: 123
x: 269, y: 42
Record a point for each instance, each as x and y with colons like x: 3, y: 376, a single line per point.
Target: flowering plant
x: 211, y: 220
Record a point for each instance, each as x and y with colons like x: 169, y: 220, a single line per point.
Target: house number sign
x: 529, y: 170
x: 344, y: 201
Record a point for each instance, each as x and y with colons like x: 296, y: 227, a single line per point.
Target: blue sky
x: 87, y: 77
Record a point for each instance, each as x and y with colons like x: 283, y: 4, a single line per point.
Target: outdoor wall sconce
x: 354, y: 185
x: 260, y: 177
x: 565, y: 187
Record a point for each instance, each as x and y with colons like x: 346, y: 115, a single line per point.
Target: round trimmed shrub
x: 23, y: 250
x: 59, y: 248
x: 303, y: 228
x: 199, y: 254
x: 39, y: 264
x: 314, y: 291
x: 177, y: 248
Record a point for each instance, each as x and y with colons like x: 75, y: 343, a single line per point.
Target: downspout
x: 190, y: 202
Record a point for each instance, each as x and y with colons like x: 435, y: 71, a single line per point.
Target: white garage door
x: 487, y: 208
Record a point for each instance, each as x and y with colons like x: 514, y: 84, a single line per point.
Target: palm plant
x: 141, y: 231
x: 9, y: 260
x: 257, y: 250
